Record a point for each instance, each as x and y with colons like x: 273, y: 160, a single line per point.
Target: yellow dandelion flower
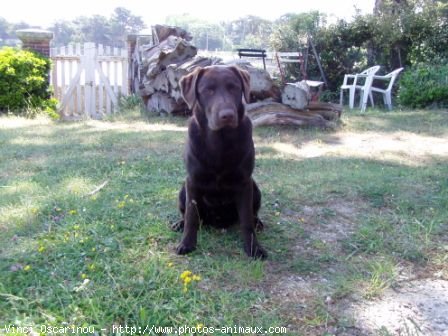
x: 41, y: 249
x: 196, y: 278
x: 121, y: 204
x: 185, y: 274
x: 27, y: 268
x: 73, y: 212
x: 83, y: 276
x: 170, y: 264
x: 187, y: 280
x: 34, y: 210
x: 199, y: 326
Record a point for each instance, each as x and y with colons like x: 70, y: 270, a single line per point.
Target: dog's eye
x: 210, y: 91
x: 231, y: 87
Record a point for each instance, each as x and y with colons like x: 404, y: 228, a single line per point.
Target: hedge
x: 24, y: 84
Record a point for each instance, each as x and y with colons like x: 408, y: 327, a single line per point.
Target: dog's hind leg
x: 179, y: 225
x: 258, y: 224
x: 246, y: 215
x: 191, y: 218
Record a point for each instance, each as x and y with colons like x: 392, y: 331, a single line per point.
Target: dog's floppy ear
x: 245, y: 80
x: 188, y: 87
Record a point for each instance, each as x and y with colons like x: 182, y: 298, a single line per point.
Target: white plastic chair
x: 387, y: 92
x: 364, y: 88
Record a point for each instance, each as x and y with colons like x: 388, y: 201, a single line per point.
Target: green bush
x: 424, y: 85
x: 24, y: 87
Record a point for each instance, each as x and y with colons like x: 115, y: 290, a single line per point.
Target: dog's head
x: 217, y: 91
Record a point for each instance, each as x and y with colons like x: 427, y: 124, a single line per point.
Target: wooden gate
x: 88, y: 79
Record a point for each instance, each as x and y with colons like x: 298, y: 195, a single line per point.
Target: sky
x: 44, y: 13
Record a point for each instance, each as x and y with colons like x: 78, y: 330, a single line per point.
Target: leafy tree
x: 249, y: 32
x: 290, y: 31
x: 124, y: 23
x: 206, y: 35
x: 8, y: 30
x: 399, y: 33
x: 95, y: 29
x: 64, y: 33
x: 110, y: 31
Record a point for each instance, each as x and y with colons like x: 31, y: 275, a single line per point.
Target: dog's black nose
x: 227, y: 115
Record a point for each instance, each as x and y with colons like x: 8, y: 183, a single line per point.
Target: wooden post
x: 89, y: 66
x: 131, y: 45
x: 310, y: 40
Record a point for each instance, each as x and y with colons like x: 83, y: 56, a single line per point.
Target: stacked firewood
x: 163, y: 64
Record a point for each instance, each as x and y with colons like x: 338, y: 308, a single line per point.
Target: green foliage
x: 424, y: 85
x: 130, y: 102
x: 111, y: 31
x: 340, y: 50
x: 24, y: 86
x: 398, y: 34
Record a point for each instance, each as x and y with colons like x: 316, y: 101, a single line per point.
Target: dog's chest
x: 223, y: 172
x: 226, y: 169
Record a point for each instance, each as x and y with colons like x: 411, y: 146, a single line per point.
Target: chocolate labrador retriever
x: 219, y: 157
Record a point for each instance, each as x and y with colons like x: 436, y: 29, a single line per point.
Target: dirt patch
x: 293, y: 288
x: 414, y: 307
x: 399, y: 147
x: 418, y: 307
x: 329, y: 223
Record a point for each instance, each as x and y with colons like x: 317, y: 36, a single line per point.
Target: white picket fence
x: 88, y: 79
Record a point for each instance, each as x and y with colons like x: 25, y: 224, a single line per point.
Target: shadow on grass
x: 424, y: 122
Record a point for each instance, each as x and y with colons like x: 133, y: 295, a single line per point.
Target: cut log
x: 261, y: 84
x: 296, y: 95
x: 163, y: 32
x: 317, y: 107
x: 285, y: 118
x: 272, y: 113
x: 175, y: 72
x: 162, y: 66
x: 158, y: 83
x: 173, y: 50
x: 160, y: 103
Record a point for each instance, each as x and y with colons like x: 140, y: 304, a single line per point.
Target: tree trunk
x: 272, y: 113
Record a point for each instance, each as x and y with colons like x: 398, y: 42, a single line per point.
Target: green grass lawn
x: 347, y: 213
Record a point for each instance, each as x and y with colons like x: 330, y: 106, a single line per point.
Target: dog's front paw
x: 183, y: 248
x: 256, y: 251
